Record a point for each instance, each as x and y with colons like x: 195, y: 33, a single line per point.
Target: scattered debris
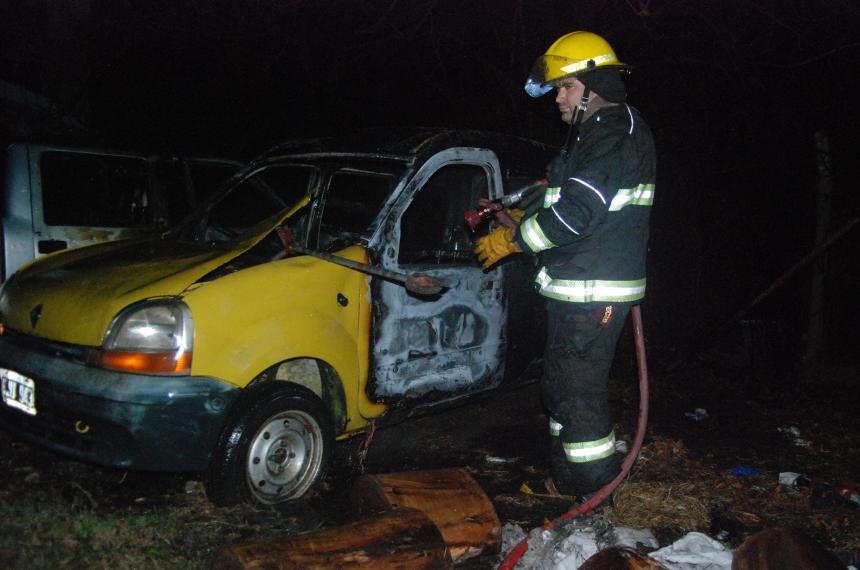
x: 794, y: 480
x: 570, y: 545
x: 567, y: 545
x: 794, y: 433
x: 848, y: 490
x: 695, y: 551
x: 621, y: 558
x: 784, y: 549
x: 499, y: 460
x: 641, y: 540
x: 697, y: 415
x: 682, y: 483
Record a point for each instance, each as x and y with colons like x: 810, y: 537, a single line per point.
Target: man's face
x: 570, y: 92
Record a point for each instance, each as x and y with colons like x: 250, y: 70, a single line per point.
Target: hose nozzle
x: 475, y: 217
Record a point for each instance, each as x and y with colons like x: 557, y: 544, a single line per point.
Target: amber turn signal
x: 146, y: 363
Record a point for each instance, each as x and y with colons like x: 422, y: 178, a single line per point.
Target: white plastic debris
x: 635, y: 538
x: 621, y: 446
x: 575, y: 549
x: 694, y: 551
x: 495, y: 460
x: 789, y: 478
x: 571, y: 545
x: 794, y: 433
x: 697, y: 415
x: 512, y: 535
x: 563, y: 547
x: 793, y: 480
x: 568, y: 547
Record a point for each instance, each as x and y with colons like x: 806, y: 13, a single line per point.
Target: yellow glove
x: 515, y: 214
x: 510, y: 217
x: 496, y: 245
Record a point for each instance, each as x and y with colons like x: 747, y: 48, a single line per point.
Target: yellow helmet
x: 570, y: 55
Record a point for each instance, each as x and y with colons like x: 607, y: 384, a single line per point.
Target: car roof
x: 416, y: 144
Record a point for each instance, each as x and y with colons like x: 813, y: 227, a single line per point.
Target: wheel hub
x: 284, y: 456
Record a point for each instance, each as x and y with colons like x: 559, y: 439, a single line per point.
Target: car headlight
x: 151, y: 337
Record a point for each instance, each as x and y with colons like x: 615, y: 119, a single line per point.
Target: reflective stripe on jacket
x: 591, y: 230
x: 588, y: 291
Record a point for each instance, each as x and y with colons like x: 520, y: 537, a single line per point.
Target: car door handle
x: 51, y: 245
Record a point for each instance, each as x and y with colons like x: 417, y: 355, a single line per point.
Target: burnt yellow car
x: 214, y: 348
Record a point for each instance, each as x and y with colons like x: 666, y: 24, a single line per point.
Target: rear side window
x: 96, y: 191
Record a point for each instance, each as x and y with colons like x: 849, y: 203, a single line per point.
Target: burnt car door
x: 440, y: 347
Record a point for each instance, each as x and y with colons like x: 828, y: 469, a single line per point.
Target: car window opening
x: 433, y: 230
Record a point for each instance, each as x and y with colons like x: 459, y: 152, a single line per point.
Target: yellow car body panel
x: 286, y: 309
x: 298, y: 307
x: 108, y: 278
x: 89, y: 285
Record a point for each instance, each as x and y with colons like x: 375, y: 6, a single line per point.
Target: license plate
x: 19, y: 392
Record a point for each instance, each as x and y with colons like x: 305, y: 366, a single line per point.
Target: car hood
x: 72, y: 296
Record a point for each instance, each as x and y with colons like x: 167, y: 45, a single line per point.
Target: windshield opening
x: 346, y: 196
x: 255, y: 198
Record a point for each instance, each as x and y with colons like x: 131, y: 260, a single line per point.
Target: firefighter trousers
x: 581, y: 342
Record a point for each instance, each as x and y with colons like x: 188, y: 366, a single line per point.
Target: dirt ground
x: 718, y: 437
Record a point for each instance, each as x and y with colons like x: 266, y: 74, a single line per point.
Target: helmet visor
x: 549, y: 68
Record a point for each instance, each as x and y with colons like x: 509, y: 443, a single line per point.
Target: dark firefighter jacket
x: 592, y: 228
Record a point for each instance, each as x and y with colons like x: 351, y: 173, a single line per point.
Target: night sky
x: 733, y: 90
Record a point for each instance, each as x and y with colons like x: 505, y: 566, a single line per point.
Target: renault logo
x: 35, y: 315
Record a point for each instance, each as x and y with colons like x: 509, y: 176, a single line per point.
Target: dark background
x: 733, y: 90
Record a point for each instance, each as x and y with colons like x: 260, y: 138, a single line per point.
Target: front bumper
x: 117, y: 419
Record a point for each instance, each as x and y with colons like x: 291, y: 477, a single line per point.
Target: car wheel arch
x: 312, y: 374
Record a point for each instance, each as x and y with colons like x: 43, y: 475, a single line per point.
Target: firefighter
x: 590, y: 235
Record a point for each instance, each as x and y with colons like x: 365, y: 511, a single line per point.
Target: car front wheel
x: 275, y: 448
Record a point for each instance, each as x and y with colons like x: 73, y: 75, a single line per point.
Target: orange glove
x: 496, y: 245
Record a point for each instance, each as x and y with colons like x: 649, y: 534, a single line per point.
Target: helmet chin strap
x: 575, y: 121
x: 577, y: 114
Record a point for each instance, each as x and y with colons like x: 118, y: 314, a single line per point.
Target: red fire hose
x: 638, y: 339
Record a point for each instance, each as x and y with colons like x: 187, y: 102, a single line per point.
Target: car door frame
x: 475, y: 300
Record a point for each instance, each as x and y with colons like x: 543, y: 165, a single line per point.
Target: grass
x: 60, y: 513
x: 45, y: 530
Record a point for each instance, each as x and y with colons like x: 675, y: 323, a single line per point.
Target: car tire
x: 276, y: 446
